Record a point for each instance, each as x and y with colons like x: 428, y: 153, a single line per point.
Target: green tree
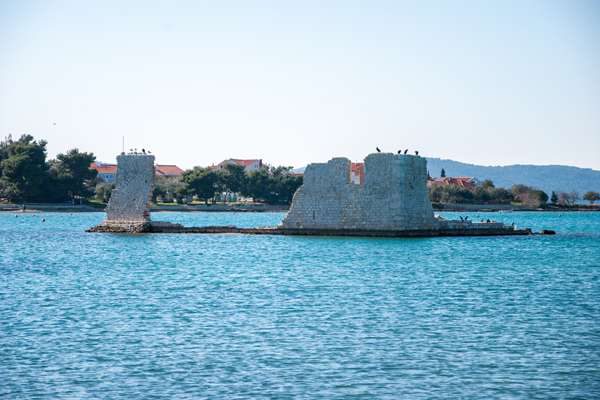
x: 258, y: 185
x: 203, y: 182
x: 283, y: 185
x: 436, y: 193
x: 488, y: 184
x: 542, y: 197
x: 273, y: 185
x: 71, y: 175
x: 529, y: 196
x: 103, y: 190
x: 501, y: 196
x: 553, y: 198
x: 234, y: 178
x: 567, y: 198
x: 459, y: 194
x: 23, y: 169
x: 169, y: 189
x: 484, y: 193
x: 443, y: 173
x: 591, y: 196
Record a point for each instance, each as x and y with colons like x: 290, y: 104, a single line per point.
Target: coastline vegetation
x: 486, y: 193
x: 27, y: 176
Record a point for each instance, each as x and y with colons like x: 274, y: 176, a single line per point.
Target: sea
x: 229, y: 316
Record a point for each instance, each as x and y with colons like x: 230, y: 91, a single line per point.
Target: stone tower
x: 129, y: 201
x: 394, y: 196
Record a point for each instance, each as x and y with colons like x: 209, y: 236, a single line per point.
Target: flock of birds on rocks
x: 399, y: 151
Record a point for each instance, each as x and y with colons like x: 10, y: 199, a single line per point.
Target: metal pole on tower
x: 123, y: 144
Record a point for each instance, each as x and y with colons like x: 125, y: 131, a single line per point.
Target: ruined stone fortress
x: 129, y: 201
x: 392, y: 201
x: 393, y: 196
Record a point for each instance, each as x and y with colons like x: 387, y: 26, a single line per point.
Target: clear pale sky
x: 492, y: 83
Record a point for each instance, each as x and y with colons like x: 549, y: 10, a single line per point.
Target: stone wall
x: 394, y: 196
x: 129, y: 201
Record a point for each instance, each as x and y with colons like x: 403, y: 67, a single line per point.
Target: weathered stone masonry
x: 393, y: 197
x: 393, y: 201
x: 129, y: 201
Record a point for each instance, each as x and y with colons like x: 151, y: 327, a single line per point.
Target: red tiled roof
x: 163, y: 170
x: 243, y: 163
x: 358, y: 169
x: 104, y: 168
x: 168, y: 170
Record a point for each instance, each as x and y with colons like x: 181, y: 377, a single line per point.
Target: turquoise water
x: 231, y: 316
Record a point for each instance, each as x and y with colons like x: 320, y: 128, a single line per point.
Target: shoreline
x: 69, y: 208
x: 510, y: 208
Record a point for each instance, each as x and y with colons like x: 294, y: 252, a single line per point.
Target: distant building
x: 461, y: 181
x: 108, y: 172
x: 357, y: 173
x: 168, y: 170
x: 249, y: 165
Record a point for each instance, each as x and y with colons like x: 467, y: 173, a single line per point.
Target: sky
x: 196, y: 82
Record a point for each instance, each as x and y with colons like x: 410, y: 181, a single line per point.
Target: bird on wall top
x: 399, y: 151
x: 416, y: 152
x: 377, y: 148
x: 405, y: 151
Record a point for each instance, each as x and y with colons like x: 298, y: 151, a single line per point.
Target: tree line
x: 26, y: 175
x: 486, y: 193
x: 272, y: 185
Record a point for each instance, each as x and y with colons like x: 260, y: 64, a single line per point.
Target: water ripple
x: 232, y: 316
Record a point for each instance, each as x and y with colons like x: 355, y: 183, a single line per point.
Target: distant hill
x: 559, y: 178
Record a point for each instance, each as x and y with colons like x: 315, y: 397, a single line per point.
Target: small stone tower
x: 129, y: 201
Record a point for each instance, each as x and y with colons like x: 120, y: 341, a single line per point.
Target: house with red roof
x: 168, y: 170
x: 108, y: 172
x: 357, y: 173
